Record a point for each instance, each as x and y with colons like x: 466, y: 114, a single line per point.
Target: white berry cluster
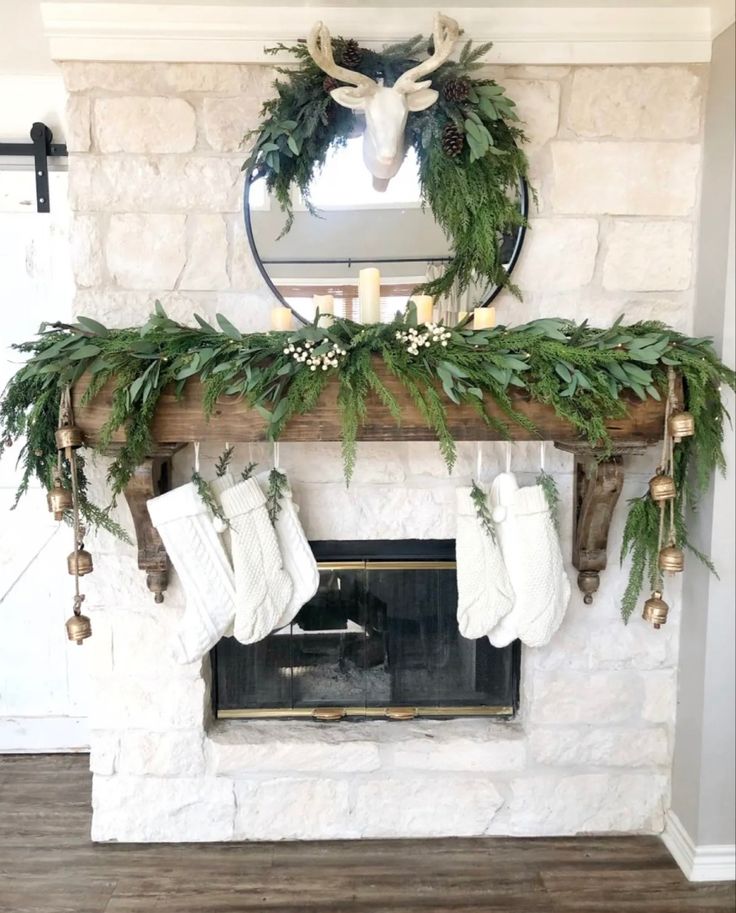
x: 415, y: 340
x: 304, y: 355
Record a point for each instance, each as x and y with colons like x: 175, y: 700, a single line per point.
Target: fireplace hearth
x: 380, y: 639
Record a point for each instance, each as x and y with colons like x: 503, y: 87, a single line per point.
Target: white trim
x: 715, y: 862
x: 41, y: 735
x: 203, y: 32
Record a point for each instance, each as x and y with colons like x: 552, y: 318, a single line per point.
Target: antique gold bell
x: 79, y: 562
x: 662, y: 488
x: 78, y: 628
x: 68, y: 436
x: 681, y: 425
x: 59, y: 499
x: 672, y: 559
x: 655, y: 610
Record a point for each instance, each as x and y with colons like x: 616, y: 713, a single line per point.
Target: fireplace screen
x: 380, y: 639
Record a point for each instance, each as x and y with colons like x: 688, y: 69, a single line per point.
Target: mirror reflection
x: 354, y: 226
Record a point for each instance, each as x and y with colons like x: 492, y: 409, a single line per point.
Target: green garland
x: 578, y: 370
x: 469, y: 184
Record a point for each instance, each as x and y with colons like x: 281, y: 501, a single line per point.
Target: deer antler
x: 319, y: 44
x: 445, y: 32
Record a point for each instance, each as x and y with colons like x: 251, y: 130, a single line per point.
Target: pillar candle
x: 425, y: 308
x: 281, y: 319
x: 484, y: 318
x: 325, y: 305
x: 369, y: 295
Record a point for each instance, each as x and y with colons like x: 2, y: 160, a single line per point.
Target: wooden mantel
x: 178, y: 422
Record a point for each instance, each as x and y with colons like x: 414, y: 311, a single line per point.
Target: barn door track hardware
x: 41, y: 148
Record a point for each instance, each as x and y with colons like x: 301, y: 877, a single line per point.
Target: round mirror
x: 353, y: 227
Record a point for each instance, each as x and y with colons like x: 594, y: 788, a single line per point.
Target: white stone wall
x: 155, y: 186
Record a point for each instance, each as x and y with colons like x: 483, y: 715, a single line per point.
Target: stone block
x: 206, y: 267
x: 103, y: 751
x: 244, y: 274
x: 587, y: 804
x: 77, y: 132
x: 579, y: 697
x: 139, y: 701
x: 293, y: 809
x: 489, y: 751
x: 161, y: 754
x: 538, y: 105
x: 597, y: 747
x: 158, y: 810
x: 439, y: 806
x: 124, y: 308
x: 240, y: 750
x: 85, y: 238
x: 142, y: 184
x: 675, y: 309
x: 649, y: 256
x: 558, y: 255
x: 624, y: 178
x: 144, y: 124
x: 228, y: 120
x: 659, y: 103
x: 146, y: 251
x: 660, y: 697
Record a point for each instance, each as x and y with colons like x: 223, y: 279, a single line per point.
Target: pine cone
x: 453, y: 140
x: 456, y: 90
x: 329, y: 83
x: 351, y: 55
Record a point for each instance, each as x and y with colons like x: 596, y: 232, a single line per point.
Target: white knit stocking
x: 196, y: 552
x: 263, y: 588
x: 299, y: 561
x: 483, y: 588
x: 531, y: 552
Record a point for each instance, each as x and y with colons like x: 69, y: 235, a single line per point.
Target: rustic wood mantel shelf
x: 178, y: 422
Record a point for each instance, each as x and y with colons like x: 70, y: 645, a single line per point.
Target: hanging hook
x: 275, y: 454
x: 196, y: 457
x: 508, y: 456
x: 541, y: 456
x: 478, y: 461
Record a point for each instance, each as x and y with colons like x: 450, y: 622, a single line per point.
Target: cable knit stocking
x: 531, y: 552
x: 299, y: 561
x: 263, y: 588
x: 483, y: 588
x: 196, y: 552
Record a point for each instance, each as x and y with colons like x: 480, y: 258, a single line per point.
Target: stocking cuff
x: 181, y: 502
x: 242, y: 498
x: 530, y: 500
x: 220, y: 484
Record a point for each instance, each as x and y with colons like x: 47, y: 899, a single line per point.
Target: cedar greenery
x: 470, y: 183
x: 482, y: 510
x: 551, y: 495
x: 580, y: 371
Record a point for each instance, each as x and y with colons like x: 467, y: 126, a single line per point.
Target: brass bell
x: 655, y: 610
x: 79, y: 562
x: 681, y: 425
x: 671, y: 559
x: 59, y: 499
x: 78, y: 628
x: 662, y: 488
x: 68, y: 436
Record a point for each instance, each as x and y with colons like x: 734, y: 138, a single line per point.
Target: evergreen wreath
x: 579, y: 370
x: 467, y: 145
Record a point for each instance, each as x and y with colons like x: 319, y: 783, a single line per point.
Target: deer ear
x: 348, y: 98
x: 421, y: 99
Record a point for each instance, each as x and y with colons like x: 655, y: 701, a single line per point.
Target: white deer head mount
x: 386, y: 108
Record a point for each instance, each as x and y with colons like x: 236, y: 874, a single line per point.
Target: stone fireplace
x: 154, y: 182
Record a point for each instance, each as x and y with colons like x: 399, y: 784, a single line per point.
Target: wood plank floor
x: 49, y: 865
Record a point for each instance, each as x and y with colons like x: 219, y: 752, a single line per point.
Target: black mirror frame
x: 253, y: 175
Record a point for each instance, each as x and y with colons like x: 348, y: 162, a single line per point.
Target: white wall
x: 703, y: 774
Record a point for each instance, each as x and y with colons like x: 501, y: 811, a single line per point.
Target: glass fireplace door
x: 380, y: 638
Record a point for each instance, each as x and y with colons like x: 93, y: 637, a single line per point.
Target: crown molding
x: 219, y: 33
